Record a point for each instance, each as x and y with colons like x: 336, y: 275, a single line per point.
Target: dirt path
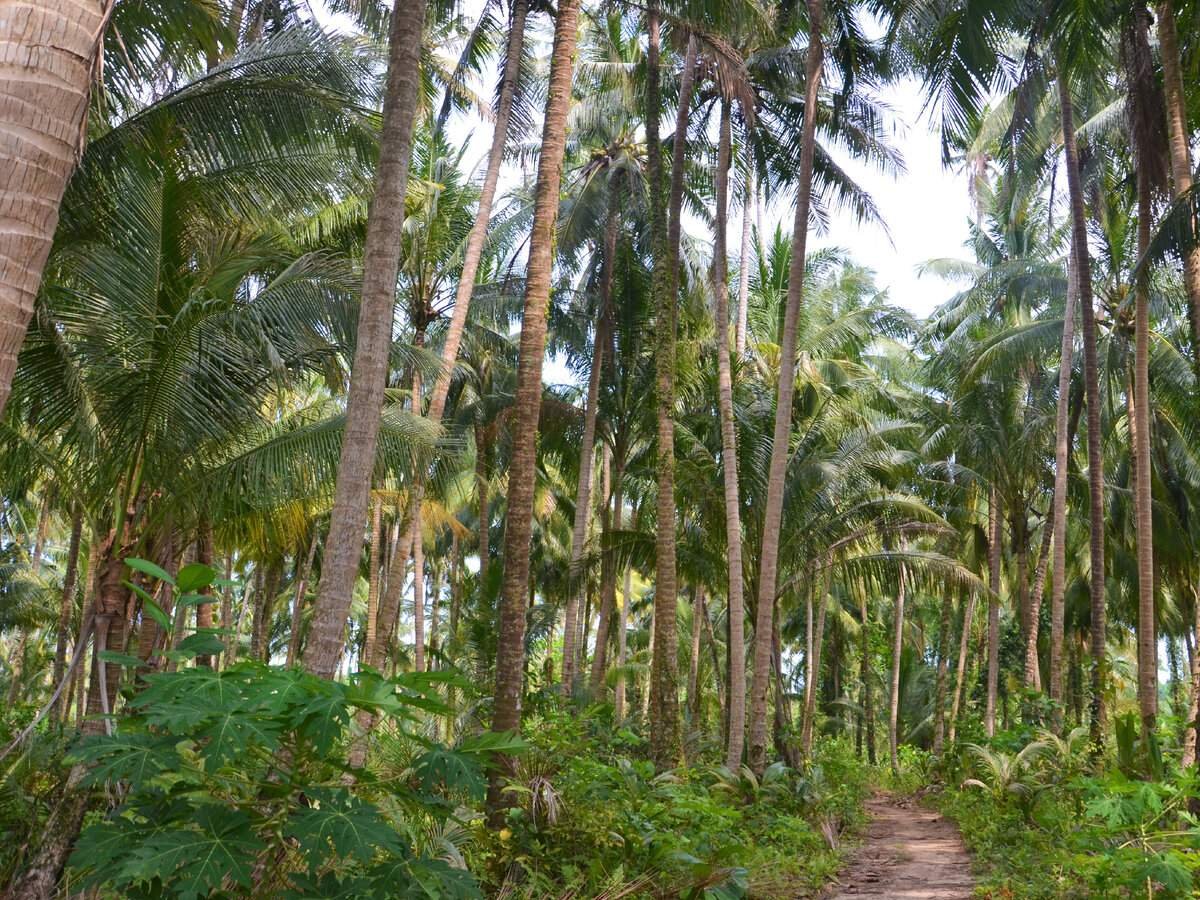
x: 909, y: 853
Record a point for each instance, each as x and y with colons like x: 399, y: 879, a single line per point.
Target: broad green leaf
x: 352, y: 828
x: 201, y: 644
x: 195, y: 576
x: 134, y: 758
x: 156, y: 613
x: 194, y: 859
x: 148, y: 568
x: 120, y: 659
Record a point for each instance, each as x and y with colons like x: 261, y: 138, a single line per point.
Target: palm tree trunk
x: 381, y: 258
x: 577, y: 583
x: 418, y: 557
x: 1140, y: 78
x: 1191, y: 729
x: 1032, y: 671
x: 66, y: 606
x: 389, y: 607
x: 693, y: 682
x: 993, y: 619
x: 622, y: 636
x: 1082, y: 267
x: 773, y: 513
x: 48, y: 62
x: 204, y: 611
x: 1058, y: 514
x: 374, y: 574
x: 897, y: 650
x: 943, y: 660
x: 473, y: 251
x: 729, y: 453
x: 227, y: 613
x: 518, y: 527
x: 664, y: 677
x: 743, y: 310
x: 482, y: 480
x: 608, y: 586
x: 812, y: 682
x: 298, y: 598
x: 1181, y: 157
x: 960, y: 674
x: 865, y: 674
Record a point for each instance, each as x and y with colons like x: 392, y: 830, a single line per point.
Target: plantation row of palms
x: 282, y: 329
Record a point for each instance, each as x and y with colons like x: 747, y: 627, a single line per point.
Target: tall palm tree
x: 381, y: 262
x: 518, y: 526
x: 781, y: 439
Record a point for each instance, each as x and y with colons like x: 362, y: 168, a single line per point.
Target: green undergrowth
x: 1043, y: 822
x: 594, y: 819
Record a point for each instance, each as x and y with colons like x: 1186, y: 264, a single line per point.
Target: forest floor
x: 908, y: 853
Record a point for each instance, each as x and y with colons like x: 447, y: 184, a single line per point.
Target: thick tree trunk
x: 773, y: 512
x: 664, y: 677
x: 298, y: 598
x: 1082, y: 267
x: 48, y: 55
x: 993, y: 618
x: 381, y: 259
x: 518, y: 528
x: 897, y: 650
x: 729, y: 452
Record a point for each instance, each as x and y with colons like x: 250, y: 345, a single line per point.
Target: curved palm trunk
x: 960, y: 674
x: 381, y: 259
x: 47, y: 57
x: 1082, y: 267
x: 664, y: 675
x: 518, y: 527
x: 1058, y: 515
x: 812, y: 683
x: 773, y: 513
x: 897, y: 649
x: 473, y: 251
x: 993, y: 618
x: 729, y: 453
x: 1032, y: 668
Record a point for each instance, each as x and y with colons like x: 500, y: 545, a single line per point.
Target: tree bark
x: 298, y: 598
x: 729, y: 452
x: 518, y: 528
x: 374, y: 575
x: 608, y: 586
x: 482, y: 480
x: 1191, y: 729
x: 897, y: 650
x: 693, y: 682
x: 865, y: 674
x: 622, y: 636
x: 1081, y: 264
x: 389, y: 608
x: 664, y: 676
x: 773, y: 512
x: 48, y: 54
x: 418, y: 557
x: 812, y: 682
x: 381, y: 258
x: 1147, y: 631
x: 1181, y: 157
x: 743, y: 308
x: 943, y: 659
x: 960, y: 673
x: 204, y: 611
x: 993, y: 619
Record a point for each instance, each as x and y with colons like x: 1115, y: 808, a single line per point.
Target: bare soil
x: 909, y: 853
